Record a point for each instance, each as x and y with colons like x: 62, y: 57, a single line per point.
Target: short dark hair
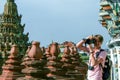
x: 100, y: 37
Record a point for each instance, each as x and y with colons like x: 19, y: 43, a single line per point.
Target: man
x: 93, y: 47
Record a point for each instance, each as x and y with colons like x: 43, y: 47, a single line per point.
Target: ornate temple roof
x: 109, y: 16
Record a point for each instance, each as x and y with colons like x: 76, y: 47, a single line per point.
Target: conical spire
x: 10, y: 8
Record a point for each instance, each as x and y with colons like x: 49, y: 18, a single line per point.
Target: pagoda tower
x: 11, y: 29
x: 110, y: 19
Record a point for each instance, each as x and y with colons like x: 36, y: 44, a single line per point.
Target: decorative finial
x: 10, y: 0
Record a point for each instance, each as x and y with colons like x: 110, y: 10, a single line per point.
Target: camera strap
x: 96, y: 56
x: 98, y: 53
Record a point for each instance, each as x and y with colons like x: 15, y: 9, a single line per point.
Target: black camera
x: 90, y: 67
x: 90, y: 41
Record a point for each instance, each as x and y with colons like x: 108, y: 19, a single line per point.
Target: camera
x: 90, y: 41
x: 90, y: 67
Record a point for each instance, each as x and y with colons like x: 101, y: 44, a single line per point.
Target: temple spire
x: 10, y: 8
x: 11, y: 29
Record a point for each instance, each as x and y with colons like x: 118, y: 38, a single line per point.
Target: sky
x: 60, y: 20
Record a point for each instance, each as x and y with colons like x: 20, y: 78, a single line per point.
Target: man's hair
x: 100, y: 37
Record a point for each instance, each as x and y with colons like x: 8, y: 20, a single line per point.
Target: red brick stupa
x: 54, y: 64
x: 12, y: 68
x: 34, y: 65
